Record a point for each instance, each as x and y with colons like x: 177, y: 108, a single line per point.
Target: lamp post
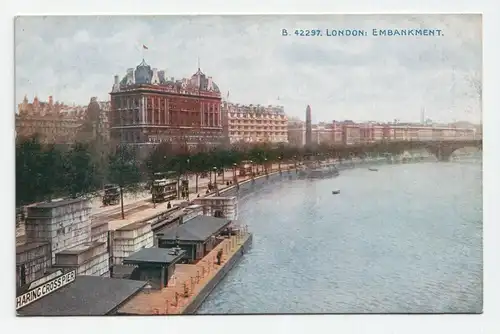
x: 234, y: 173
x: 215, y: 176
x: 187, y: 178
x: 265, y: 165
x: 279, y: 163
x: 251, y: 168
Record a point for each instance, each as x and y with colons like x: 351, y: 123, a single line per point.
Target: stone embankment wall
x: 65, y: 226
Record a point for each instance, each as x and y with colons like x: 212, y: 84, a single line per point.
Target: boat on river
x: 373, y: 169
x: 335, y: 192
x: 318, y: 173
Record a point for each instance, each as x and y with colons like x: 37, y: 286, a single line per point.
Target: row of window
x: 245, y: 133
x: 150, y: 102
x: 258, y: 116
x: 258, y: 128
x: 232, y: 121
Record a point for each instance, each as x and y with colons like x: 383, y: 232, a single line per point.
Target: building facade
x: 255, y: 123
x: 351, y: 133
x: 147, y: 107
x: 354, y: 133
x: 296, y: 132
x: 95, y: 122
x: 52, y: 122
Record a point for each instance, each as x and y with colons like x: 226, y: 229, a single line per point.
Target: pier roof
x: 154, y: 255
x: 199, y: 228
x: 87, y: 295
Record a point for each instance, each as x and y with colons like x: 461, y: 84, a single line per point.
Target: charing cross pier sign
x: 44, y: 289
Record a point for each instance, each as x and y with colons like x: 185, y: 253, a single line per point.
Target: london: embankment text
x: 407, y: 32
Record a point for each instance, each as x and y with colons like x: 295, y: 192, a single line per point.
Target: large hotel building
x: 255, y: 123
x: 149, y: 107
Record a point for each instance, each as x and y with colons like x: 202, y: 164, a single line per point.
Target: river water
x: 405, y: 239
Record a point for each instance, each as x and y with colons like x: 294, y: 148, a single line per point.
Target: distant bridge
x: 442, y: 149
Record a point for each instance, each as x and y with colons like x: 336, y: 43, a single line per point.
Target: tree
x: 79, y: 171
x: 198, y: 163
x: 28, y: 154
x: 39, y: 171
x: 124, y: 170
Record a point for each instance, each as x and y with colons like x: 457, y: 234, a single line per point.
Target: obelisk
x: 308, y: 127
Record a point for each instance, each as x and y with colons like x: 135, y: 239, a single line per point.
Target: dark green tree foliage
x: 124, y: 170
x: 44, y: 172
x: 52, y: 179
x: 123, y: 167
x: 79, y: 171
x: 28, y: 171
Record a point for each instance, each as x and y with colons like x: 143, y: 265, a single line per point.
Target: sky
x: 359, y: 78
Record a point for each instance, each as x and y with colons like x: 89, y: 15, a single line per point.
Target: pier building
x: 219, y: 206
x: 197, y: 236
x: 154, y: 265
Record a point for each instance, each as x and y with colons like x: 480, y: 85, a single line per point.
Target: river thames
x: 405, y: 239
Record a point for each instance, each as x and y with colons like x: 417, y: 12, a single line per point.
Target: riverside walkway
x: 189, y: 282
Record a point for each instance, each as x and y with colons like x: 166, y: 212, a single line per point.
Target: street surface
x: 132, y: 201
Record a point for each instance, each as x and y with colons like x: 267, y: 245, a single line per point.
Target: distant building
x: 296, y: 132
x: 255, y: 123
x: 95, y: 122
x: 52, y: 122
x: 148, y: 107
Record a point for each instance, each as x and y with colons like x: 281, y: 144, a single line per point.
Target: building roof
x: 87, y: 295
x: 199, y: 228
x: 144, y: 74
x: 122, y: 271
x: 154, y: 255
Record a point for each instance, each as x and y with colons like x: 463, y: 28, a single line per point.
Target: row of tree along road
x: 48, y: 171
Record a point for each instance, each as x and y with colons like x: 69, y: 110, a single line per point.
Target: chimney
x: 154, y: 77
x: 51, y: 101
x: 116, y: 79
x: 161, y: 76
x: 130, y: 76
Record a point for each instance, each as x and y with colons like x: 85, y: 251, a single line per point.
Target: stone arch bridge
x: 442, y: 149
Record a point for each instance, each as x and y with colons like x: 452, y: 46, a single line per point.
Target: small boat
x: 373, y: 169
x: 335, y: 192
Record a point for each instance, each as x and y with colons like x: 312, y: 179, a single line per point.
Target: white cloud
x: 359, y: 78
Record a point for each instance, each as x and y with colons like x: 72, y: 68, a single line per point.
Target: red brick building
x: 55, y: 123
x: 147, y: 108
